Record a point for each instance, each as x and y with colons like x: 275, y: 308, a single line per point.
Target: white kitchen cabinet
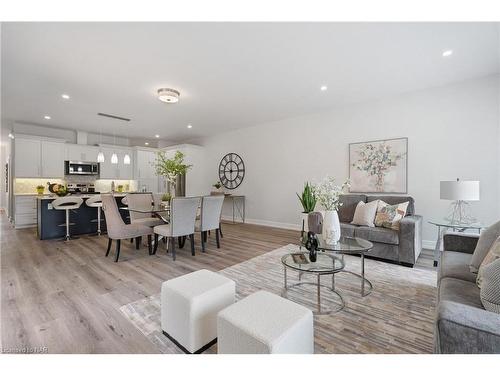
x: 82, y: 153
x: 39, y: 158
x: 25, y: 211
x: 52, y: 158
x: 27, y: 157
x: 144, y: 164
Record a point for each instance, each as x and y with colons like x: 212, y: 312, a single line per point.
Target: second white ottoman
x: 265, y: 323
x: 189, y: 307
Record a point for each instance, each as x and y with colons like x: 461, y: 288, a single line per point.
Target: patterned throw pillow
x: 389, y: 216
x: 493, y: 254
x: 490, y: 290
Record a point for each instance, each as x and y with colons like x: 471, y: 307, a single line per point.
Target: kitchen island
x: 51, y: 223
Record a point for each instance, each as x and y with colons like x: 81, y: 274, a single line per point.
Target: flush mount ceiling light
x: 65, y: 96
x: 168, y: 95
x: 323, y: 88
x: 47, y: 117
x: 157, y: 136
x: 189, y: 126
x: 447, y: 53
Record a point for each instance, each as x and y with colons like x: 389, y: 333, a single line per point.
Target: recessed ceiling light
x: 146, y: 143
x: 189, y: 126
x: 157, y: 136
x: 168, y: 95
x: 65, y: 96
x: 447, y: 53
x: 323, y: 88
x: 47, y: 117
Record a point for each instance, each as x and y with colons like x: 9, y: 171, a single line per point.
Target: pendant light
x: 114, y: 157
x: 126, y: 158
x: 100, y: 155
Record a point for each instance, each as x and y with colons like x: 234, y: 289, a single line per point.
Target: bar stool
x: 67, y: 203
x: 96, y: 201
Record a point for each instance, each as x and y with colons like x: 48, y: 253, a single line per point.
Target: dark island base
x: 51, y: 223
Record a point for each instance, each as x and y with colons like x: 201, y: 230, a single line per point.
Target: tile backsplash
x: 28, y: 185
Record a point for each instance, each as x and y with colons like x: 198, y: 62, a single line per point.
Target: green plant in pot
x: 40, y: 189
x: 308, y: 201
x: 171, y: 168
x: 166, y: 197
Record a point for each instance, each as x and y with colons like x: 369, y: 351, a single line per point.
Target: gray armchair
x: 462, y: 325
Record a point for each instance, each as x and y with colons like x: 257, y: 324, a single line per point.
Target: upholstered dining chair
x: 182, y: 219
x: 67, y: 203
x: 142, y: 201
x: 117, y: 229
x: 211, y: 209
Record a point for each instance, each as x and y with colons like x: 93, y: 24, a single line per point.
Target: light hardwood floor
x: 66, y: 296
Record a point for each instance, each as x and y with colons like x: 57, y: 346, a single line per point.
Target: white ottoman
x: 265, y: 323
x: 189, y: 307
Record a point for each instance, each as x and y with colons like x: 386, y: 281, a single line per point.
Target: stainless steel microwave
x: 81, y: 167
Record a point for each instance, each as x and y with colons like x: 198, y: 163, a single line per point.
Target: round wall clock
x: 231, y: 171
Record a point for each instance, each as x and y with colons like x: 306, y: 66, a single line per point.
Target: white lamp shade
x: 460, y: 190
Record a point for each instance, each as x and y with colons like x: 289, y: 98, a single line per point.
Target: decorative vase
x: 331, y: 227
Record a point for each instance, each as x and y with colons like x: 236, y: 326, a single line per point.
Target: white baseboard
x: 426, y: 244
x: 266, y: 223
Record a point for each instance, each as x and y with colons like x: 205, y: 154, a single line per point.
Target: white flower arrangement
x: 328, y: 193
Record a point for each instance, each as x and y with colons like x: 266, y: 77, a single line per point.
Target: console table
x: 238, y: 203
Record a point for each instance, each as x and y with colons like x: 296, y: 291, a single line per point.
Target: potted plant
x: 40, y: 189
x: 171, y: 168
x: 165, y: 199
x: 218, y: 188
x: 328, y: 196
x: 308, y: 201
x: 120, y: 188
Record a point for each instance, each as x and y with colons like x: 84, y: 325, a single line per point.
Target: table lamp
x: 461, y: 192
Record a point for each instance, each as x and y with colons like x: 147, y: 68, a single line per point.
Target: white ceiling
x: 230, y: 75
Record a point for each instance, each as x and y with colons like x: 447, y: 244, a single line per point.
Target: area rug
x: 396, y: 317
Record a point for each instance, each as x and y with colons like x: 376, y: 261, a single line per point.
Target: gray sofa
x: 403, y: 246
x: 462, y: 324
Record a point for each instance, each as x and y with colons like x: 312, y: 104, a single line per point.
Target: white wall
x: 452, y: 132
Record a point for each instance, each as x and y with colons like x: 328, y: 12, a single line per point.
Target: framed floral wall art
x: 379, y: 166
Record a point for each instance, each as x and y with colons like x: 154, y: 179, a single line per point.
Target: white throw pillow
x: 365, y: 213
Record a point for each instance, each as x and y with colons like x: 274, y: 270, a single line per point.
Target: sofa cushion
x: 365, y: 214
x: 460, y: 291
x: 376, y: 234
x: 395, y: 199
x: 347, y: 230
x: 490, y: 289
x: 389, y: 216
x: 349, y: 203
x: 486, y: 239
x: 456, y: 265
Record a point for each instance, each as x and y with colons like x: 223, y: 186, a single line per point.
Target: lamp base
x: 460, y: 213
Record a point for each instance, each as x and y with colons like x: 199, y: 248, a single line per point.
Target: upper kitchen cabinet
x: 81, y: 153
x: 39, y: 158
x: 144, y: 164
x: 52, y: 159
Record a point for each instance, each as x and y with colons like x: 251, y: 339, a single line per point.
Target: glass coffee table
x: 325, y: 264
x: 348, y: 246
